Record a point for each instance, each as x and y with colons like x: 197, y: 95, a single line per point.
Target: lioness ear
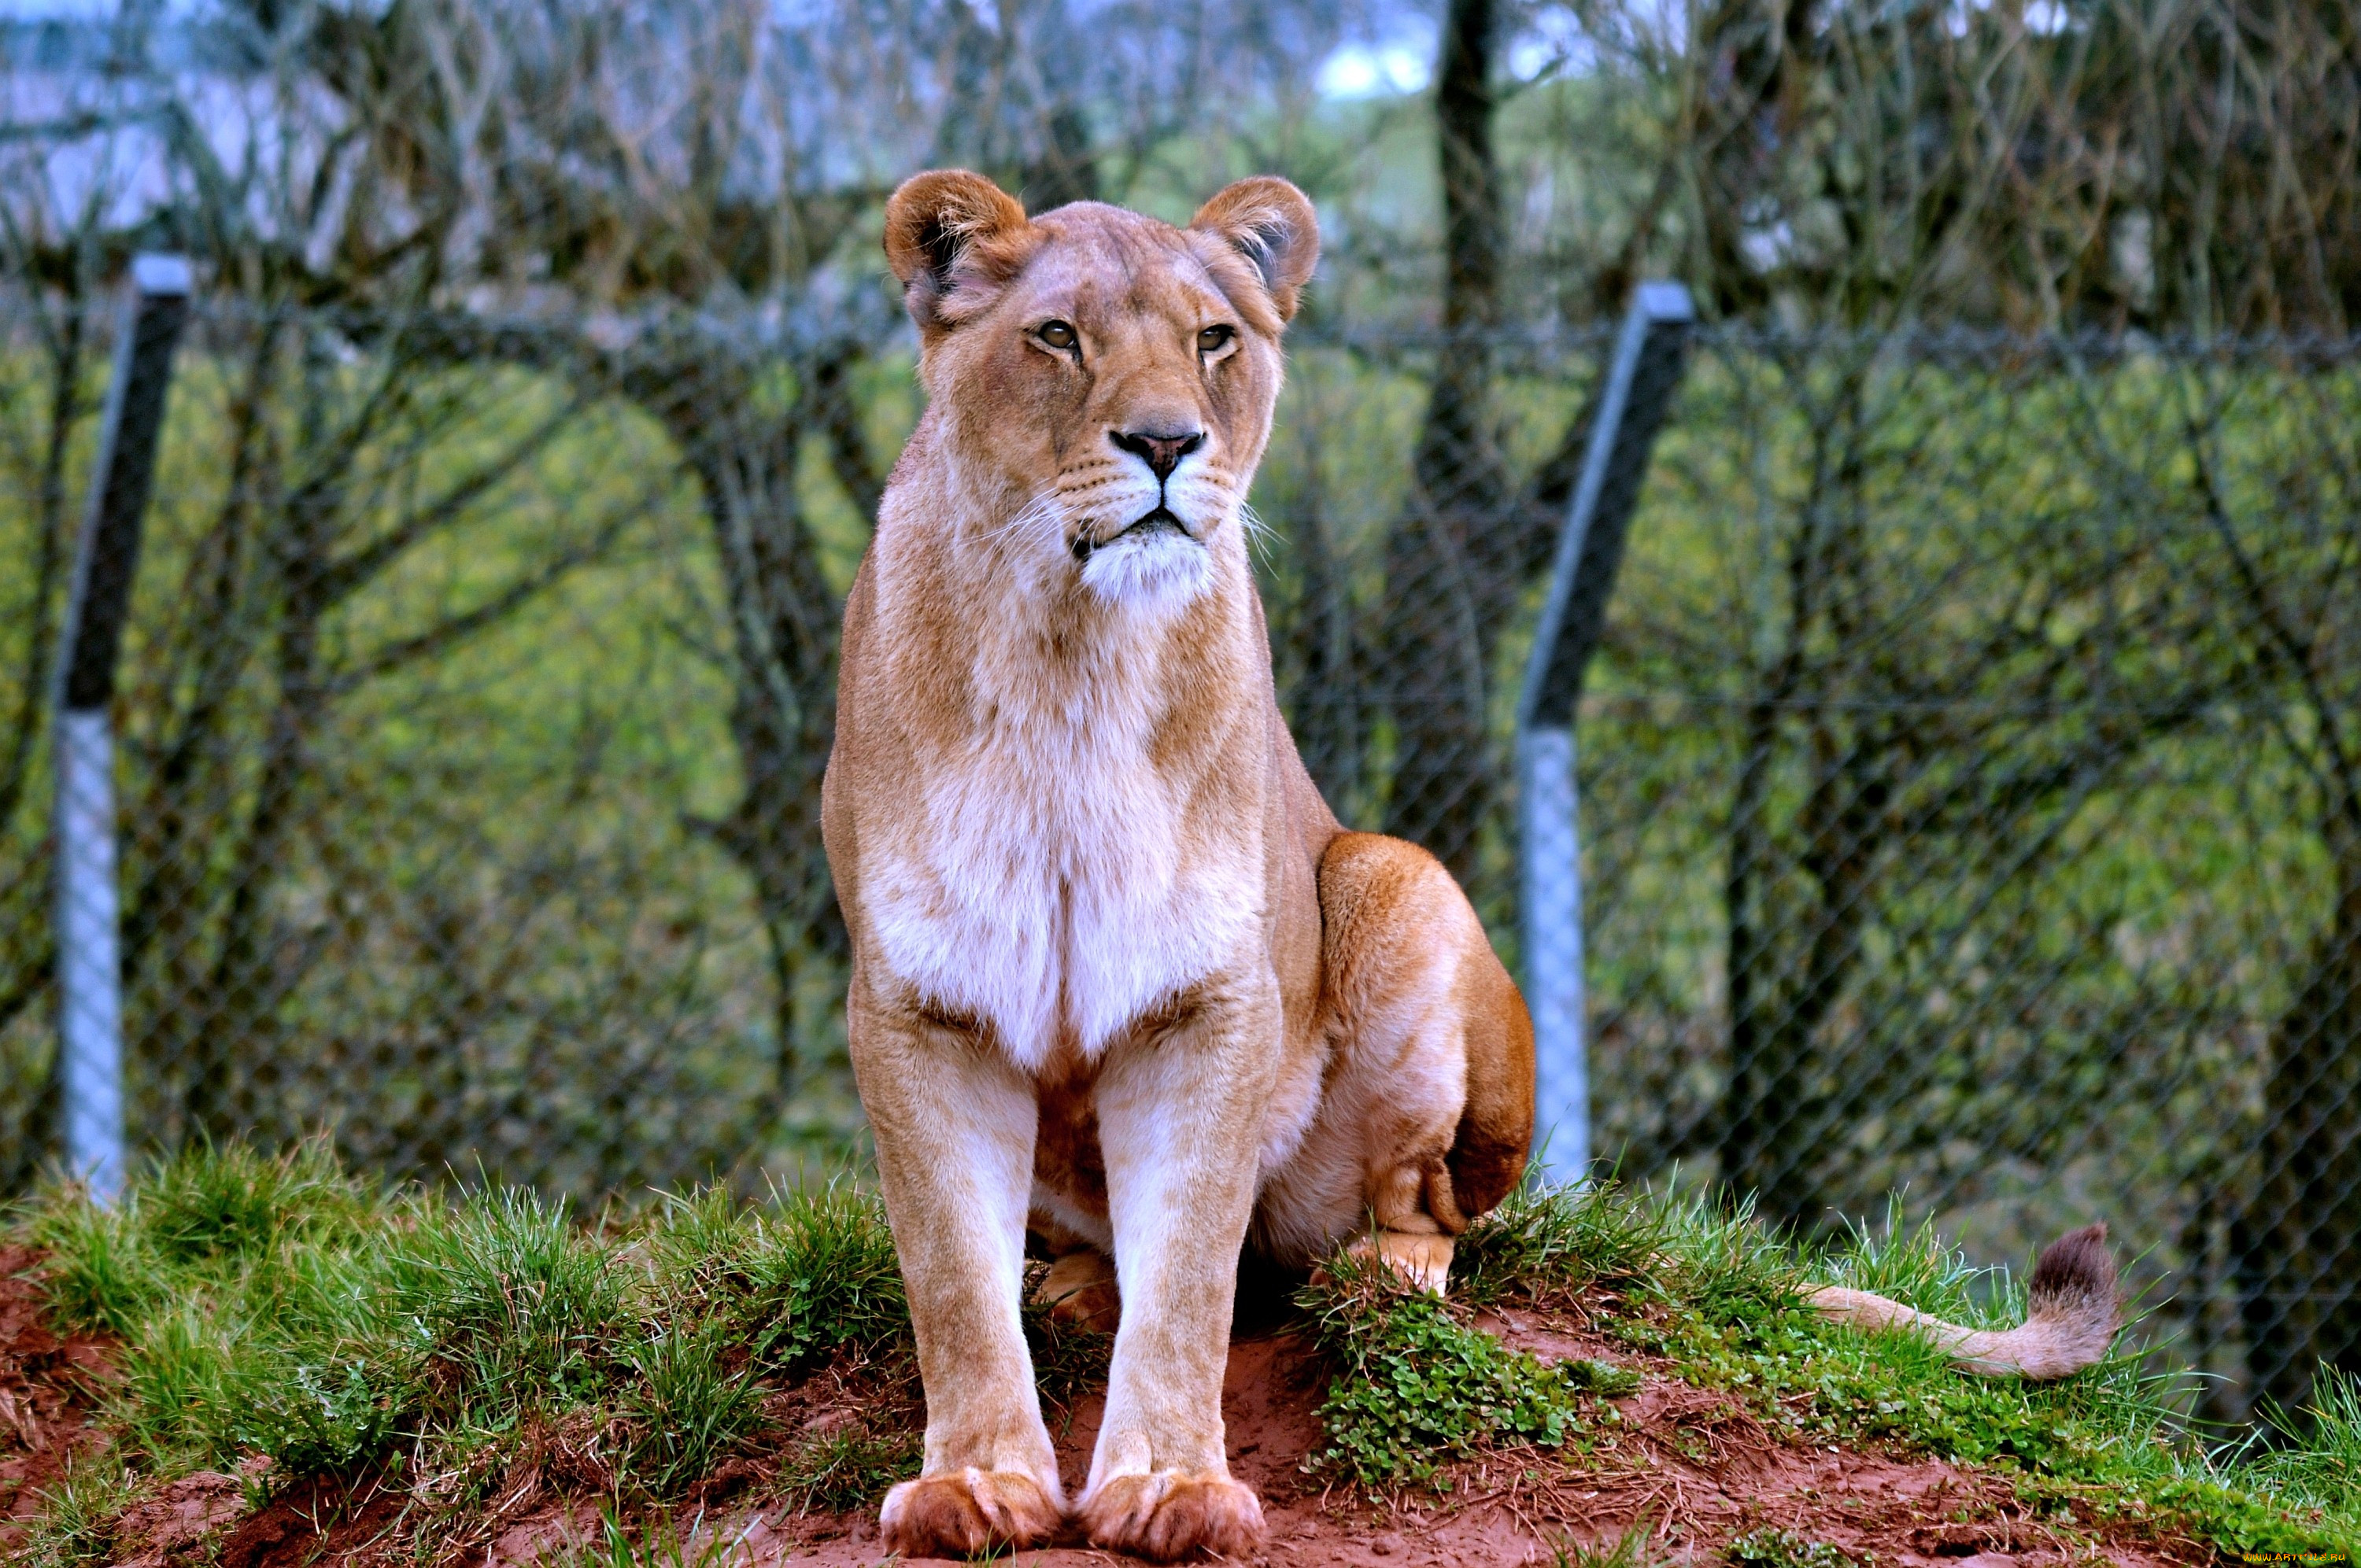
x: 1272, y: 223
x: 946, y: 228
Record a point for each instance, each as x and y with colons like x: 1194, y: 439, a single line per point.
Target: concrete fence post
x: 1626, y: 414
x: 89, y: 957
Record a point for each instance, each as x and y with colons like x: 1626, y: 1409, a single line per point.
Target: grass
x: 273, y: 1306
x: 276, y: 1307
x: 76, y: 1524
x: 1719, y: 1298
x: 1632, y: 1548
x: 660, y: 1545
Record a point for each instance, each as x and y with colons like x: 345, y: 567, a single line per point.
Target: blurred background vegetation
x: 1971, y: 774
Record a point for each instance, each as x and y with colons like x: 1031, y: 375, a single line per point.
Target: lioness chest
x: 1060, y: 874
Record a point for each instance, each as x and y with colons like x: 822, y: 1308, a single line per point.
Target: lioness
x: 1117, y: 973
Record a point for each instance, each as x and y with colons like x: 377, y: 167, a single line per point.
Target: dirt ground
x: 1692, y: 1467
x: 48, y: 1391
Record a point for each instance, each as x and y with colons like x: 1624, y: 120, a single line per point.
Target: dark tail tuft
x: 2075, y: 1276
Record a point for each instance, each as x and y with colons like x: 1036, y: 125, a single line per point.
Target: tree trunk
x: 1452, y: 568
x: 785, y: 626
x: 1790, y: 961
x: 28, y: 968
x: 228, y: 1022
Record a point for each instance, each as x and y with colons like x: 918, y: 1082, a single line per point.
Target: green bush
x: 1416, y: 1388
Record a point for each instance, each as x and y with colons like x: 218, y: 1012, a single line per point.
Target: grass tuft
x: 1536, y: 1241
x: 75, y: 1527
x: 1635, y: 1548
x: 849, y: 1468
x: 660, y: 1544
x: 811, y: 1274
x: 2318, y: 1459
x: 234, y: 1202
x: 694, y: 1406
x: 505, y: 1303
x: 271, y: 1307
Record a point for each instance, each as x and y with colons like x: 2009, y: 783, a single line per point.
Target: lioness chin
x: 1119, y: 975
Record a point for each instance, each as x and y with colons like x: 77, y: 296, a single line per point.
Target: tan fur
x: 1422, y: 1259
x: 1079, y: 1288
x: 1119, y: 975
x: 2071, y: 1317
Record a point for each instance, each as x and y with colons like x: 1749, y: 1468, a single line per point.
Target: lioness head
x: 1105, y: 379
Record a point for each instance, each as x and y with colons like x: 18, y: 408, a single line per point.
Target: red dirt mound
x: 48, y: 1392
x: 1692, y: 1467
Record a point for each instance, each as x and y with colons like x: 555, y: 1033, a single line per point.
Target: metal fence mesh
x: 1971, y: 774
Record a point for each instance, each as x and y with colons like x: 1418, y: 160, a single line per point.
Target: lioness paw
x: 1163, y: 1515
x: 1079, y: 1289
x: 962, y: 1512
x: 1422, y: 1262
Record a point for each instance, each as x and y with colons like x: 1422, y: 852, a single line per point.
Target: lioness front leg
x: 954, y: 1124
x: 1179, y: 1120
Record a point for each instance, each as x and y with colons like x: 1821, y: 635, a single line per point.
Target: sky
x: 1398, y: 65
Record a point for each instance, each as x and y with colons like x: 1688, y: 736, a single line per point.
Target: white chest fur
x: 1055, y: 882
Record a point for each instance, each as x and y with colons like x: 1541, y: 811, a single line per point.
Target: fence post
x: 90, y: 966
x: 1627, y: 411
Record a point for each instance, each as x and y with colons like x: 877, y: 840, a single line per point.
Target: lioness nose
x: 1160, y: 452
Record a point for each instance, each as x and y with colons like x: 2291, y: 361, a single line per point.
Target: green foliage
x: 284, y: 1357
x: 1720, y: 1299
x: 812, y: 1274
x: 271, y: 1307
x: 1630, y: 1550
x: 1785, y: 1549
x: 236, y: 1202
x: 2316, y: 1457
x: 1534, y: 1240
x: 660, y: 1545
x: 1418, y: 1388
x: 100, y: 1275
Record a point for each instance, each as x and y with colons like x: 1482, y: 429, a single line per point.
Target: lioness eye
x: 1057, y: 334
x: 1214, y: 338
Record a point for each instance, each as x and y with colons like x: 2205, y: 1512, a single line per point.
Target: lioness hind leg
x: 1079, y: 1289
x: 1428, y: 1107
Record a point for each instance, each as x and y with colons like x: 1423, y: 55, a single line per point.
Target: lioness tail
x: 2071, y: 1321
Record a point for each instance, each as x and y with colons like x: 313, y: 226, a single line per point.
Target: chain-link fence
x: 1970, y: 775
x: 1971, y: 783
